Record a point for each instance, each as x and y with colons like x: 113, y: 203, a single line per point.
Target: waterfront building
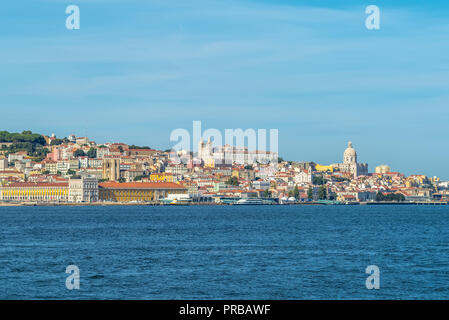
x: 84, y: 189
x: 417, y: 194
x: 361, y: 196
x: 138, y: 191
x: 36, y: 192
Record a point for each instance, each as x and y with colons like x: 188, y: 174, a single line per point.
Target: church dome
x: 350, y: 156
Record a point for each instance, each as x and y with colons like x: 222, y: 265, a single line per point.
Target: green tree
x: 92, y: 153
x: 233, y: 181
x: 310, y: 193
x: 295, y: 192
x: 267, y: 193
x: 322, y: 192
x: 140, y: 177
x: 56, y: 142
x: 79, y: 153
x: 332, y: 196
x: 71, y: 172
x: 318, y: 180
x: 137, y: 147
x: 380, y: 196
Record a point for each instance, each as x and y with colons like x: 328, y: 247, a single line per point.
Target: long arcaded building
x: 138, y: 191
x: 36, y: 192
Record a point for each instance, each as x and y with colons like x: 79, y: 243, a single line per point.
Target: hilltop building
x: 111, y: 169
x: 350, y: 163
x: 228, y: 154
x: 383, y: 169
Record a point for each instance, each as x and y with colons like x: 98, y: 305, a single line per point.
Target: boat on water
x: 254, y: 201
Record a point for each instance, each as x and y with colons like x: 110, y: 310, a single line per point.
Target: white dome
x: 350, y: 156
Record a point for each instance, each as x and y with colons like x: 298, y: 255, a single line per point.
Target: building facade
x: 35, y: 192
x: 350, y: 163
x: 228, y: 154
x: 111, y: 169
x: 84, y: 189
x: 138, y: 191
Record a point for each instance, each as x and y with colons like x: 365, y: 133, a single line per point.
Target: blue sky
x: 136, y: 70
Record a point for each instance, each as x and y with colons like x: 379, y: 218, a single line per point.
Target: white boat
x: 253, y: 201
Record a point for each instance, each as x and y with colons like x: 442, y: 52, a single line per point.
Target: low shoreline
x: 103, y: 204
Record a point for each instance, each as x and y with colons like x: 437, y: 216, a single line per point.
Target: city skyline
x: 310, y: 69
x: 336, y: 158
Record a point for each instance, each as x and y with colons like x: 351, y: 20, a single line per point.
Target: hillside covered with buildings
x: 36, y: 168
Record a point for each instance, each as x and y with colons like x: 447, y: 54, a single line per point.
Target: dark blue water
x: 229, y: 252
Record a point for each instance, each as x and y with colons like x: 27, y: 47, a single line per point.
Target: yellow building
x: 209, y: 163
x: 321, y: 168
x: 416, y: 181
x: 161, y: 177
x: 39, y: 192
x: 138, y: 191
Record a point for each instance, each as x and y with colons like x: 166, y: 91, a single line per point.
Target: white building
x: 304, y: 177
x: 3, y: 164
x: 102, y: 152
x: 350, y: 163
x: 229, y: 154
x: 84, y: 189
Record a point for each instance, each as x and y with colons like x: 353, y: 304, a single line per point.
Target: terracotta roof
x: 140, y: 185
x: 36, y: 184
